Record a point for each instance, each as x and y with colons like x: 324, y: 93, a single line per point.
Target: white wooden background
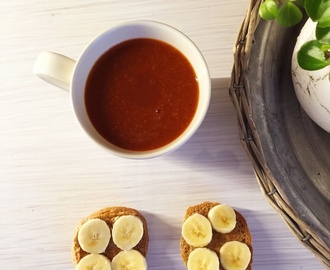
x: 52, y: 175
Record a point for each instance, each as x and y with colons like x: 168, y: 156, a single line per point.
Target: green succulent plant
x: 314, y: 54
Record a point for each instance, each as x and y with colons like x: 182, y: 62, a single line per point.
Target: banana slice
x: 197, y: 230
x: 94, y: 236
x: 127, y: 232
x: 94, y: 261
x: 222, y: 218
x: 203, y: 259
x: 235, y: 255
x: 129, y: 260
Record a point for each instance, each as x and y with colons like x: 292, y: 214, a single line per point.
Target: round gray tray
x: 289, y: 152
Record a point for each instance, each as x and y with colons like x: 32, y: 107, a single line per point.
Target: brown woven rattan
x: 251, y: 142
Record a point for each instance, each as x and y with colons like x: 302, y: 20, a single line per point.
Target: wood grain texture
x: 52, y: 175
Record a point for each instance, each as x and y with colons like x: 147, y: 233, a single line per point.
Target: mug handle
x: 55, y: 69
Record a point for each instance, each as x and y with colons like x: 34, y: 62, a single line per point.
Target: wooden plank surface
x: 52, y: 175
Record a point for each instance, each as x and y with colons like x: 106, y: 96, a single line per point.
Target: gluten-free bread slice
x: 240, y: 233
x: 109, y: 215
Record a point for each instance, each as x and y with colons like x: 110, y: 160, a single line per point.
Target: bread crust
x: 240, y: 233
x: 109, y: 215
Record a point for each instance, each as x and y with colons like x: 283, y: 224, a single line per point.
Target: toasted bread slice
x: 109, y: 215
x: 240, y: 233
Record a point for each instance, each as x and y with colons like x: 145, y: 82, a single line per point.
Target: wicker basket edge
x: 251, y: 142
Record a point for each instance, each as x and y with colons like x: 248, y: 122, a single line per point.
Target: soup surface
x: 141, y: 94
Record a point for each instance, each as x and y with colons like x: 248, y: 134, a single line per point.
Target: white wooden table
x: 52, y: 175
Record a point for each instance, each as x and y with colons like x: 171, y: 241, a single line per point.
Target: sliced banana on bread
x: 113, y: 238
x: 215, y: 235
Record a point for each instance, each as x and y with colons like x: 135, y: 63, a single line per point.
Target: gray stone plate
x: 296, y: 150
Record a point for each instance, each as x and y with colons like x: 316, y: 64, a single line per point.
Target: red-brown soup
x: 141, y: 94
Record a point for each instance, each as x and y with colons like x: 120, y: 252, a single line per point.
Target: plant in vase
x: 311, y: 55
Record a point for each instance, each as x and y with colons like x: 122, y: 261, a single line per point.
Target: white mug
x: 72, y: 75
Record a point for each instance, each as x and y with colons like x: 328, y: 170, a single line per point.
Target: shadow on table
x: 164, y: 243
x: 216, y: 143
x: 264, y: 250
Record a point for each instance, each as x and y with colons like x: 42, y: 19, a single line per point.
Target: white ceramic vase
x: 312, y: 87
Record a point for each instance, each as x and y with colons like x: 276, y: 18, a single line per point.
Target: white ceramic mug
x: 71, y: 75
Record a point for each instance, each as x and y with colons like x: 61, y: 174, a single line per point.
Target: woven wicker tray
x: 289, y: 153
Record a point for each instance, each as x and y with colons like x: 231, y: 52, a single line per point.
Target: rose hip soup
x: 141, y: 94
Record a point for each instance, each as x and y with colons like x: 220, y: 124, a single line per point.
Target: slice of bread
x: 240, y: 233
x: 109, y: 215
